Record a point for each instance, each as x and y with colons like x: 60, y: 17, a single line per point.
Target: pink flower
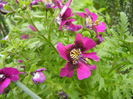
x: 76, y: 57
x: 24, y: 36
x: 32, y: 28
x: 92, y: 23
x: 7, y: 74
x: 38, y: 76
x: 63, y: 20
x: 20, y: 61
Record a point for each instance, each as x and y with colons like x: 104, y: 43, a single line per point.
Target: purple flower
x: 24, y: 36
x: 92, y: 23
x: 20, y: 61
x: 76, y: 57
x: 7, y: 74
x: 63, y: 20
x: 38, y: 76
x: 32, y: 28
x: 2, y: 4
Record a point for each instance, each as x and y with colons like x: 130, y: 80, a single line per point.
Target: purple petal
x: 79, y: 41
x: 87, y: 11
x: 82, y: 14
x: 67, y: 14
x: 20, y: 61
x: 65, y: 7
x: 67, y: 71
x: 40, y: 70
x: 38, y: 77
x: 92, y: 67
x: 88, y: 43
x: 62, y: 50
x: 101, y: 27
x: 32, y: 27
x: 12, y: 72
x: 91, y: 56
x: 24, y: 36
x: 4, y: 84
x: 83, y: 71
x: 94, y: 17
x: 73, y: 27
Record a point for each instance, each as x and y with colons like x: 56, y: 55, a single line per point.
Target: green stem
x: 27, y: 90
x: 41, y: 35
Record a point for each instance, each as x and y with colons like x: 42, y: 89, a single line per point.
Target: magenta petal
x: 73, y: 27
x: 88, y: 43
x: 41, y: 69
x: 65, y: 7
x: 69, y: 46
x: 87, y: 11
x: 12, y: 72
x: 4, y: 84
x: 92, y: 67
x: 38, y: 77
x: 79, y: 40
x: 83, y: 71
x: 32, y: 27
x: 67, y: 70
x: 101, y: 27
x: 94, y: 17
x: 62, y: 50
x: 91, y: 56
x: 82, y: 14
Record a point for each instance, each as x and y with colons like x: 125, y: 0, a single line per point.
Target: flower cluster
x: 75, y: 54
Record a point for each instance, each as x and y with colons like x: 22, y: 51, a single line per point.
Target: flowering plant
x: 52, y: 49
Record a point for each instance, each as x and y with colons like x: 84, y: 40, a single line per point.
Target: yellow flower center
x: 75, y: 54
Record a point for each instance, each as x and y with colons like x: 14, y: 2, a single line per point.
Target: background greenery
x: 114, y: 74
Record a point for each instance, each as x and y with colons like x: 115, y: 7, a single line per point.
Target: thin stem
x: 42, y: 35
x: 27, y: 90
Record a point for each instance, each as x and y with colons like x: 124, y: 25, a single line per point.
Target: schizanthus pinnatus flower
x: 6, y: 75
x: 76, y: 57
x: 38, y: 76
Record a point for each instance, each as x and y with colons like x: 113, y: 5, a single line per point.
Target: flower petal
x: 88, y: 43
x: 4, y: 84
x: 41, y: 69
x: 91, y: 56
x: 81, y: 14
x: 12, y: 72
x: 65, y: 7
x: 38, y: 77
x: 101, y: 27
x: 62, y: 50
x: 32, y: 28
x: 94, y: 17
x: 67, y: 71
x: 87, y: 11
x: 79, y: 41
x: 92, y: 67
x: 83, y: 71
